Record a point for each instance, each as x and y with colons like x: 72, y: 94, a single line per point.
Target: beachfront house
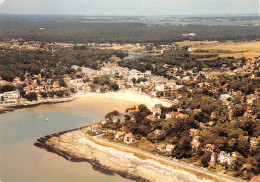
x: 169, y: 148
x: 96, y: 128
x: 161, y: 147
x: 129, y: 138
x: 119, y: 135
x: 10, y: 97
x: 118, y: 118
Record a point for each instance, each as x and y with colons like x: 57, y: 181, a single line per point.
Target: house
x: 210, y: 148
x: 250, y: 98
x: 119, y: 135
x: 196, y: 139
x: 213, y: 115
x: 86, y: 89
x: 225, y: 102
x: 150, y: 117
x: 253, y: 141
x: 213, y: 157
x: 169, y: 148
x: 227, y: 157
x: 129, y: 138
x: 156, y: 111
x: 96, y: 128
x: 248, y: 111
x: 224, y: 157
x: 111, y: 132
x: 158, y: 132
x: 197, y: 110
x: 55, y: 84
x: 195, y: 144
x: 161, y: 147
x: 118, y: 118
x: 169, y: 115
x: 10, y: 97
x: 194, y: 132
x: 132, y: 111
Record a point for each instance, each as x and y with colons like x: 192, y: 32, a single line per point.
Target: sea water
x: 21, y: 161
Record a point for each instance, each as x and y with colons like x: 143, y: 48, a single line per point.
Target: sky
x: 129, y: 7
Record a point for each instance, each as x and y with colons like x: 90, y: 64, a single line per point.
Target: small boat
x: 47, y: 119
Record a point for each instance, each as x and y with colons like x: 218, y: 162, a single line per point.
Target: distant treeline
x: 15, y: 63
x: 73, y: 31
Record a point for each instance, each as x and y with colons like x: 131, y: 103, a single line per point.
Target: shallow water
x: 23, y: 162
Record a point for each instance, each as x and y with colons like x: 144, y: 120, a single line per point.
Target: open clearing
x: 238, y: 50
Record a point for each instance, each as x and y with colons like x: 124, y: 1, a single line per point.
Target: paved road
x: 174, y: 161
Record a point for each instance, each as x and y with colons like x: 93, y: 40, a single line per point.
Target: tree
x: 206, y: 159
x: 182, y: 149
x: 59, y: 93
x: 31, y: 96
x: 7, y: 88
x: 44, y: 94
x: 113, y: 86
x: 134, y: 80
x: 238, y: 163
x: 111, y: 114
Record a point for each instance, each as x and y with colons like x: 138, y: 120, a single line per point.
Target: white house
x: 118, y: 118
x: 169, y: 148
x: 129, y: 138
x: 10, y: 97
x: 119, y: 135
x: 161, y: 147
x: 226, y: 157
x: 156, y: 110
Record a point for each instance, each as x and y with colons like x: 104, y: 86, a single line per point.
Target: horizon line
x: 149, y: 15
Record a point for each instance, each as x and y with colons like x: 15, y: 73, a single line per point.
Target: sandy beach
x: 103, y: 101
x: 126, y: 95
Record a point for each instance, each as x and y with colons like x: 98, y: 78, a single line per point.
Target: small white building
x: 169, y: 148
x: 156, y: 110
x: 226, y: 157
x: 119, y: 135
x: 129, y: 138
x: 161, y: 147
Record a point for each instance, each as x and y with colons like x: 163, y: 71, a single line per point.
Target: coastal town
x: 206, y: 117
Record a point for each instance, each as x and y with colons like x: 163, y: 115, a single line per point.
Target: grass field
x: 238, y: 50
x: 195, y: 43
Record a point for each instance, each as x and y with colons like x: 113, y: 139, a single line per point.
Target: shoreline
x: 96, y: 165
x: 128, y: 95
x: 132, y: 96
x: 75, y: 146
x: 30, y: 104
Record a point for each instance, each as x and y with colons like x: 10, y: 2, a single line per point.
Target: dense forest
x: 57, y: 63
x: 58, y: 30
